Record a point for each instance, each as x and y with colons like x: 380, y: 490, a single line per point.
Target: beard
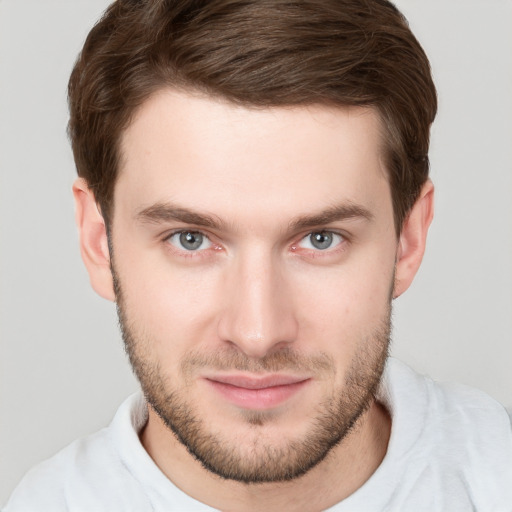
x: 264, y: 459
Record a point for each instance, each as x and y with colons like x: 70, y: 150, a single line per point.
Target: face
x: 253, y: 257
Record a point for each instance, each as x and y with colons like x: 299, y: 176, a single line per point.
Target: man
x: 253, y: 193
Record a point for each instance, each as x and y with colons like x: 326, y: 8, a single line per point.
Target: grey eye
x: 321, y: 240
x: 189, y: 240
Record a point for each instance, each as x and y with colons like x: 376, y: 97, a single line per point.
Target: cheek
x: 341, y: 307
x: 171, y: 306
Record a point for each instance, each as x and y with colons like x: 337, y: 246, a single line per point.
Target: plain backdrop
x: 63, y: 371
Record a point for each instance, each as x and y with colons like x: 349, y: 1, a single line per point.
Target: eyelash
x: 294, y: 247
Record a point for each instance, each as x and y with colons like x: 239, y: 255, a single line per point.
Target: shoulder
x: 467, y: 415
x: 48, y: 485
x: 87, y: 474
x: 444, y: 402
x: 452, y: 439
x: 445, y: 412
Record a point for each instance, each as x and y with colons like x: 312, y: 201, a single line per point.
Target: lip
x: 257, y: 392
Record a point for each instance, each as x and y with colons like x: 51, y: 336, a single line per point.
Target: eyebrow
x: 168, y: 212
x: 333, y: 214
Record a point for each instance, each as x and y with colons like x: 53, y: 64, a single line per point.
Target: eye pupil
x: 321, y: 240
x: 191, y: 240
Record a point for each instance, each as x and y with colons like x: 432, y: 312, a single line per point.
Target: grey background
x: 62, y: 367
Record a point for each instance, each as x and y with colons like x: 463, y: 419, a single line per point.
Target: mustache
x: 285, y: 359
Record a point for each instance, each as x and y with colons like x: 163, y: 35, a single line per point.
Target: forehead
x: 212, y: 155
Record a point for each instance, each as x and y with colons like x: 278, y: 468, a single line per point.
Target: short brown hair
x: 262, y: 53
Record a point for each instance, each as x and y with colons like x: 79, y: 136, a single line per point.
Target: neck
x: 345, y: 469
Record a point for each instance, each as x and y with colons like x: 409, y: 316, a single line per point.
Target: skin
x: 264, y: 180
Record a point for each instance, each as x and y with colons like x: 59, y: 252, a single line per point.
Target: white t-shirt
x: 450, y: 450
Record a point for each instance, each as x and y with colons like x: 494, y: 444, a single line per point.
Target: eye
x: 320, y: 240
x: 189, y: 240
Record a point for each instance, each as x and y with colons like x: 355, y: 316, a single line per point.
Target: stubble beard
x: 264, y: 461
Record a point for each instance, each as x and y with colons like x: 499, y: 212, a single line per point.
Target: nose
x: 258, y: 313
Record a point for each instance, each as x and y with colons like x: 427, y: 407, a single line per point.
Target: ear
x: 413, y: 237
x: 93, y: 240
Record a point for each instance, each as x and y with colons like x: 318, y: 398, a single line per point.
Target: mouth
x: 256, y: 392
